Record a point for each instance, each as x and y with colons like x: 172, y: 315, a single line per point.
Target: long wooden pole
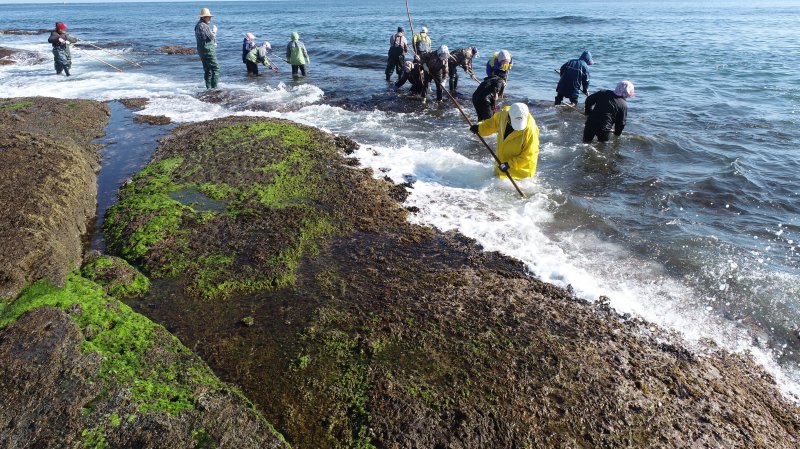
x: 463, y: 114
x: 113, y: 54
x: 497, y: 159
x: 97, y: 59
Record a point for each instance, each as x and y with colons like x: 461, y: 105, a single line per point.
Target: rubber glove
x: 474, y: 128
x: 503, y: 167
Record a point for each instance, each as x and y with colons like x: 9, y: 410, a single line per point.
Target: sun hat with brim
x: 205, y: 13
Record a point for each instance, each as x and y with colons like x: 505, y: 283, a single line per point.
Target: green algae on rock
x: 118, y: 278
x: 279, y: 177
x: 127, y: 366
x: 47, y: 187
x: 369, y: 331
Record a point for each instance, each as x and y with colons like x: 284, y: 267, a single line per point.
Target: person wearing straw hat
x: 249, y: 43
x: 61, y: 41
x: 517, y: 140
x: 606, y: 109
x: 207, y: 48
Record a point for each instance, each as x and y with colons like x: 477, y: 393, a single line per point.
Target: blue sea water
x: 691, y: 219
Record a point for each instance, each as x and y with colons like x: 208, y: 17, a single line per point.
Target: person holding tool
x: 517, y: 140
x: 258, y: 55
x: 574, y: 78
x: 61, y: 41
x: 461, y: 58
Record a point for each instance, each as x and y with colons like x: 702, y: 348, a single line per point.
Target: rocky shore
x: 296, y: 276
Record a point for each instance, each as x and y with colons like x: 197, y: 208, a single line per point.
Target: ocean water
x: 690, y: 220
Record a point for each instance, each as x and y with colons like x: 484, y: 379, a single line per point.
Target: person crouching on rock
x: 517, y: 140
x: 485, y: 96
x: 297, y: 55
x: 61, y: 42
x: 412, y: 72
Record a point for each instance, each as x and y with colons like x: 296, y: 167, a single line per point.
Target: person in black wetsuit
x: 605, y: 109
x: 485, y: 96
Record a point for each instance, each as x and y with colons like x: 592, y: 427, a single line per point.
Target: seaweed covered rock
x: 117, y: 277
x: 47, y: 187
x: 80, y: 369
x: 364, y: 330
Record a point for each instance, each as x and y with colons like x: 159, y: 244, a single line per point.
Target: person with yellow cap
x: 207, y: 48
x: 517, y: 140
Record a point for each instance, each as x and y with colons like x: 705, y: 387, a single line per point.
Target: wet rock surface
x: 10, y: 56
x: 177, y: 50
x: 62, y: 386
x: 135, y: 104
x: 152, y: 119
x: 48, y: 190
x: 298, y: 277
x: 78, y: 368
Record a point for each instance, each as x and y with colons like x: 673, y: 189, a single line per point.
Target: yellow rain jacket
x: 520, y: 149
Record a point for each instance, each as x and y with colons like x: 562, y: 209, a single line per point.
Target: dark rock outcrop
x: 10, y: 56
x: 177, y: 50
x: 363, y: 329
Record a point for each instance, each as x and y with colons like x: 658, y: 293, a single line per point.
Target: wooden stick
x: 113, y: 54
x: 510, y: 178
x: 97, y: 59
x: 439, y: 85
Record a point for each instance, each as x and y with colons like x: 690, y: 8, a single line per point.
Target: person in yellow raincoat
x: 517, y: 140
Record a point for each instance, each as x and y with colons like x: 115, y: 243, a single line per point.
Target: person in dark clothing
x: 461, y: 58
x: 61, y: 41
x: 485, y: 96
x: 574, y: 78
x: 398, y: 47
x: 413, y: 73
x: 605, y: 109
x: 435, y: 65
x: 248, y: 44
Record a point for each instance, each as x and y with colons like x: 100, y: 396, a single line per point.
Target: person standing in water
x: 62, y: 56
x: 606, y: 109
x: 297, y: 55
x: 485, y: 96
x: 248, y: 44
x: 574, y: 78
x: 461, y: 58
x: 517, y: 140
x: 398, y: 47
x: 422, y: 42
x: 207, y: 48
x: 435, y: 65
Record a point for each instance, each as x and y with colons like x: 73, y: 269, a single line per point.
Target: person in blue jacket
x: 574, y: 78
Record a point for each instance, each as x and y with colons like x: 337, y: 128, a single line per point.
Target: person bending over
x: 606, y: 109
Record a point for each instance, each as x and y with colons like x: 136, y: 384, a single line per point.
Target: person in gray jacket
x: 62, y: 57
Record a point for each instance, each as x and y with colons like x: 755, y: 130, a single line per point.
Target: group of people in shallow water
x: 517, y: 133
x: 253, y: 54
